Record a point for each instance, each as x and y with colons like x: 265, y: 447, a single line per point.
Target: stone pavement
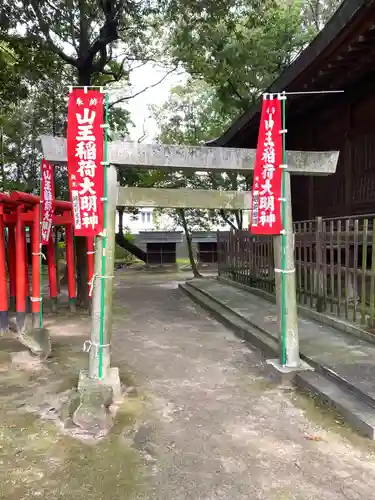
x: 216, y: 424
x: 349, y: 358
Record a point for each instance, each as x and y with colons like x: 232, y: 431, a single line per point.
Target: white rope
x: 283, y: 131
x: 284, y: 271
x: 87, y: 345
x: 91, y: 253
x: 283, y: 165
x: 39, y: 254
x: 91, y: 285
x: 36, y: 299
x: 91, y: 282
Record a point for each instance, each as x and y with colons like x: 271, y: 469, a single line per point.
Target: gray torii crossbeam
x: 217, y: 159
x: 198, y: 158
x: 183, y: 198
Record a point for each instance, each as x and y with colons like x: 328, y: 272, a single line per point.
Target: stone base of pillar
x: 285, y: 374
x: 303, y: 366
x: 37, y: 340
x: 93, y: 412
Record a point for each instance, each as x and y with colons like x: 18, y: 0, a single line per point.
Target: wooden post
x: 12, y: 266
x: 319, y: 277
x: 35, y: 266
x: 70, y: 264
x: 20, y: 272
x: 3, y: 279
x: 52, y: 274
x: 27, y: 281
x: 291, y: 324
x: 57, y: 258
x: 108, y: 283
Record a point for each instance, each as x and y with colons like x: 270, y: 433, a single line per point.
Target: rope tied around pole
x: 40, y: 254
x: 36, y: 299
x: 92, y: 281
x: 87, y: 345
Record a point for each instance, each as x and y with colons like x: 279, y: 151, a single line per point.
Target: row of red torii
x: 19, y: 210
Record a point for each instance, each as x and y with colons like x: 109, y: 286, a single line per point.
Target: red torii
x: 18, y: 210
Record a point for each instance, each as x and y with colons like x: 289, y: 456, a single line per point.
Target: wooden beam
x: 183, y: 198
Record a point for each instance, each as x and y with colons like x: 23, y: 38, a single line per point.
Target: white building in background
x: 148, y: 220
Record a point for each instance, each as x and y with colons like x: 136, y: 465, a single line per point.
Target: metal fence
x: 335, y: 265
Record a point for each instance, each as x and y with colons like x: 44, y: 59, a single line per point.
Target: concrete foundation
x: 38, y: 341
x: 303, y: 366
x: 95, y: 398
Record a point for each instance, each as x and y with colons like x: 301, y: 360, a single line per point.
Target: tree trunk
x: 130, y: 247
x: 193, y: 264
x: 120, y: 212
x: 126, y: 244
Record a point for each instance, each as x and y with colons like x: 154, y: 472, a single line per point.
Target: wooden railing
x: 335, y: 265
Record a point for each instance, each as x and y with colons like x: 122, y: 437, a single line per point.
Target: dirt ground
x: 207, y: 421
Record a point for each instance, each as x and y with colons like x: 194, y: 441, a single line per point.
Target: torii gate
x: 192, y: 158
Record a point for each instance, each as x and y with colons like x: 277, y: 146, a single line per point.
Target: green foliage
x: 239, y: 48
x: 44, y: 48
x: 193, y: 114
x: 233, y: 51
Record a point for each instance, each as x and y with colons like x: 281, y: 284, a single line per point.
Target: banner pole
x: 104, y: 240
x: 40, y: 252
x: 283, y: 237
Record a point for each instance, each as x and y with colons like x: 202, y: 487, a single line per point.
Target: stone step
x: 255, y: 337
x: 355, y: 411
x: 350, y: 402
x: 321, y: 368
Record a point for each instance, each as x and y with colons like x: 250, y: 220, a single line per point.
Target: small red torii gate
x: 19, y: 210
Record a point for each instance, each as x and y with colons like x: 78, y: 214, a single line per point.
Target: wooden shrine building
x: 341, y: 57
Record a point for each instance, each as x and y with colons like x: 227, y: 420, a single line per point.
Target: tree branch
x: 226, y: 219
x: 44, y: 28
x: 47, y: 45
x: 127, y: 98
x: 108, y: 34
x: 242, y: 99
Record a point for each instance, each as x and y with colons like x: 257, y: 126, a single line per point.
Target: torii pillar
x: 218, y: 159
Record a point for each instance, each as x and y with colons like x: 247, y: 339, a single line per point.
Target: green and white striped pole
x: 285, y: 263
x: 100, y: 341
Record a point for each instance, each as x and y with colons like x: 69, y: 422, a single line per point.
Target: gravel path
x: 216, y: 424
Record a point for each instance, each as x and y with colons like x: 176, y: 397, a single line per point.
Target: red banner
x: 267, y: 184
x: 48, y: 194
x: 85, y: 160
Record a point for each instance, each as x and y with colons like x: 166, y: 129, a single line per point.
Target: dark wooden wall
x: 346, y: 124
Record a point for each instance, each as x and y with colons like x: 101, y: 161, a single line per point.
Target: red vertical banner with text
x: 268, y: 172
x: 85, y: 159
x: 48, y: 194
